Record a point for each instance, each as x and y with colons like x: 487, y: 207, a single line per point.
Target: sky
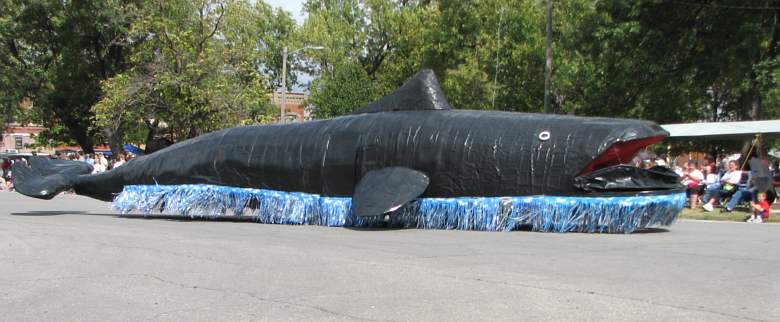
x: 292, y: 6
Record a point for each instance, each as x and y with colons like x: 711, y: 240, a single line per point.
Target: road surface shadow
x: 49, y: 213
x: 388, y: 227
x: 131, y: 216
x: 378, y: 228
x: 653, y: 230
x: 187, y: 219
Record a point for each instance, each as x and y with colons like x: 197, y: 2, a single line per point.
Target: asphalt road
x: 73, y: 259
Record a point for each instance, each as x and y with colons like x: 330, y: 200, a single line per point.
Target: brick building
x: 294, y: 110
x: 19, y: 138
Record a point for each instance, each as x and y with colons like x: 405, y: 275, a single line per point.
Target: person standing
x: 101, y: 164
x: 120, y: 161
x: 89, y: 160
x: 5, y: 164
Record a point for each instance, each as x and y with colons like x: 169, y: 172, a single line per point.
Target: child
x: 760, y: 209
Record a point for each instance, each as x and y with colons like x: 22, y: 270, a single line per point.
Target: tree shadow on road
x: 653, y: 230
x: 250, y: 219
x: 132, y: 216
x: 50, y: 213
x: 188, y: 219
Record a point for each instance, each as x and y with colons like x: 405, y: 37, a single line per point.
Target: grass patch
x: 736, y: 215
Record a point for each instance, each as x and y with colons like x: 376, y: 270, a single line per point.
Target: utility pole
x: 284, y: 86
x: 548, y: 63
x: 284, y: 77
x: 498, y: 48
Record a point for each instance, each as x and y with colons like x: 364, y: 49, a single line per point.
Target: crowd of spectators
x: 6, y: 179
x: 98, y: 161
x: 726, y: 185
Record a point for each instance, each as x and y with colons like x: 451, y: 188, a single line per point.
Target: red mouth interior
x: 619, y: 153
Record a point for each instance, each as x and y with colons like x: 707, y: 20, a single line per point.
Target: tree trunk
x: 80, y: 134
x: 85, y: 142
x: 755, y: 104
x: 114, y: 142
x: 152, y: 131
x: 153, y: 142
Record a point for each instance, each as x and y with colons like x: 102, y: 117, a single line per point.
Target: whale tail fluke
x: 45, y: 177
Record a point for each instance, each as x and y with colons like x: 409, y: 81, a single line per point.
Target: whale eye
x: 544, y: 135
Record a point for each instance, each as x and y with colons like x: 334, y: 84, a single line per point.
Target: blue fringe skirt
x: 623, y: 214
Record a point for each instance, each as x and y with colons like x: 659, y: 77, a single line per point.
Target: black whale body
x: 465, y: 153
x: 443, y: 152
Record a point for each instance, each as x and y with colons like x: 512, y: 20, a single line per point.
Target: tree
x: 340, y: 93
x: 369, y: 49
x: 674, y: 61
x: 56, y: 53
x: 669, y: 61
x: 200, y: 66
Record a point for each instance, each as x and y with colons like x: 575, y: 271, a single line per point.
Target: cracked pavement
x: 72, y: 258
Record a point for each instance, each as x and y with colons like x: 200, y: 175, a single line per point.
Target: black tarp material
x: 462, y: 152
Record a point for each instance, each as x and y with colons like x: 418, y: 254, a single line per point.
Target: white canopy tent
x: 724, y: 130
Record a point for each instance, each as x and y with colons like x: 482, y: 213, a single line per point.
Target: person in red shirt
x: 760, y: 209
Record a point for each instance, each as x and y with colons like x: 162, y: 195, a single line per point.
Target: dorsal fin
x: 421, y: 92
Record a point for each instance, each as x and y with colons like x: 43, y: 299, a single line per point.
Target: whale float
x: 409, y: 156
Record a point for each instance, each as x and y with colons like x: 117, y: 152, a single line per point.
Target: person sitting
x: 749, y: 193
x: 710, y: 177
x: 761, y: 209
x: 742, y: 194
x: 692, y: 179
x: 727, y: 186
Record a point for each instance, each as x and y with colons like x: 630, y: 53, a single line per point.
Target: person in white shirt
x: 101, y: 164
x: 728, y: 185
x: 692, y: 178
x: 709, y: 177
x: 120, y: 161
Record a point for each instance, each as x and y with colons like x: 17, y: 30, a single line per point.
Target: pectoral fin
x: 384, y: 190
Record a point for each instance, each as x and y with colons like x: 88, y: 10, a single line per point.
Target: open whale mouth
x: 620, y: 153
x: 609, y: 173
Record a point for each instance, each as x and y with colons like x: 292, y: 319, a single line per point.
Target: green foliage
x: 659, y: 60
x: 56, y: 53
x: 336, y: 95
x: 488, y: 54
x: 129, y: 70
x: 200, y: 66
x: 369, y: 49
x: 674, y: 62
